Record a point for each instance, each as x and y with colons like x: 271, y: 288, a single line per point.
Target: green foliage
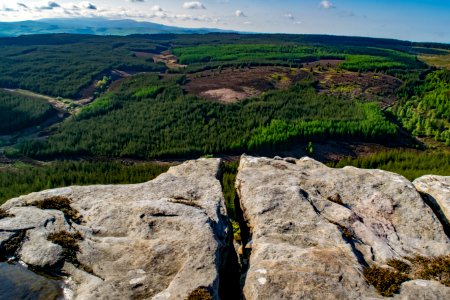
x: 102, y: 85
x: 388, y: 59
x: 99, y: 107
x: 356, y: 58
x: 246, y: 53
x: 148, y: 92
x: 173, y: 124
x: 367, y: 122
x: 62, y: 65
x: 19, y: 112
x: 411, y: 164
x: 310, y: 149
x: 16, y: 181
x: 425, y: 111
x: 387, y: 282
x: 229, y: 191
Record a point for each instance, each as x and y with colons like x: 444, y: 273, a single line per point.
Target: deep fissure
x: 237, y: 257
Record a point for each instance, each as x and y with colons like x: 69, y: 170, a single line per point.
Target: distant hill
x: 97, y: 26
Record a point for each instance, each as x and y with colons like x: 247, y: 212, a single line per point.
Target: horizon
x: 424, y: 23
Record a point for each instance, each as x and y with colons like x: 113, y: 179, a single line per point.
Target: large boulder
x: 315, y: 229
x: 436, y: 190
x: 162, y: 239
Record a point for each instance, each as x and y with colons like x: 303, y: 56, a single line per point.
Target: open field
x: 231, y: 84
x: 442, y: 61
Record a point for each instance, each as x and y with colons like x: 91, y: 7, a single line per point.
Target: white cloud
x: 48, y: 5
x: 290, y: 16
x: 327, y: 4
x: 156, y: 8
x: 87, y: 5
x: 240, y: 13
x: 193, y: 5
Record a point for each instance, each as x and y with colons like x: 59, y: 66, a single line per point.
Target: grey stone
x: 314, y: 228
x: 161, y: 239
x: 437, y: 190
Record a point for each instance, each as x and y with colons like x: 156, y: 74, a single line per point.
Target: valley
x: 223, y: 165
x: 167, y: 98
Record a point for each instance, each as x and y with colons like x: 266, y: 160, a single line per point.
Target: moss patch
x: 434, y: 268
x: 236, y: 231
x: 399, y: 265
x: 5, y: 214
x: 10, y: 247
x: 62, y: 204
x: 69, y: 243
x: 387, y: 282
x: 200, y: 293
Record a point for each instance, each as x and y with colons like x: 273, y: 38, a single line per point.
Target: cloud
x: 22, y: 5
x: 193, y: 5
x: 48, y: 5
x: 156, y: 8
x: 88, y: 5
x: 134, y: 1
x: 240, y: 13
x: 291, y: 17
x: 327, y: 4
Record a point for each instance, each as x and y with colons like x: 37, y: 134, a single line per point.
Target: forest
x: 18, y: 112
x: 425, y: 107
x: 293, y: 99
x: 411, y: 164
x: 131, y: 122
x: 21, y: 178
x: 356, y: 58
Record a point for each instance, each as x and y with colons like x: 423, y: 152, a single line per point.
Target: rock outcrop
x: 314, y: 233
x: 162, y: 239
x: 314, y: 229
x: 436, y: 190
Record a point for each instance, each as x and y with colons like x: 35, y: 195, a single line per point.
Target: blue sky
x: 417, y: 20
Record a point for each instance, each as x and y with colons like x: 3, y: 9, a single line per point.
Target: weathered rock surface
x: 423, y: 290
x: 157, y: 240
x: 314, y: 228
x: 436, y: 189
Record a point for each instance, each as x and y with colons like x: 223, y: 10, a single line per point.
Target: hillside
x: 95, y: 26
x: 127, y: 100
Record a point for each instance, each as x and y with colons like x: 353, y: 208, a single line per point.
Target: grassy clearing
x: 440, y: 61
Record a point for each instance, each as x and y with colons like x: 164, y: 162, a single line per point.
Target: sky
x: 414, y: 20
